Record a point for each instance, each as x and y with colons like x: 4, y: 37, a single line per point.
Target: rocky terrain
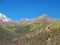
x: 41, y: 30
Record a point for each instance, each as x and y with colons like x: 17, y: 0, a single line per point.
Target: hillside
x: 41, y: 30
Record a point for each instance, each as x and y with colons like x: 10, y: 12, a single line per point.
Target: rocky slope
x: 41, y: 30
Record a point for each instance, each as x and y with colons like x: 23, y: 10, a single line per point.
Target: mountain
x: 36, y: 20
x: 23, y: 21
x: 3, y: 18
x: 40, y: 30
x: 43, y: 17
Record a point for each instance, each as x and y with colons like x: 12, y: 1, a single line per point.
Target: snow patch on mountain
x: 4, y: 18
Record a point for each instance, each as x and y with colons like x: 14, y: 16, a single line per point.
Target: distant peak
x: 2, y: 15
x: 4, y: 18
x: 25, y: 19
x: 45, y: 15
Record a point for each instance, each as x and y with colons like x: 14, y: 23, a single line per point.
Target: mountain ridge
x: 41, y: 30
x: 42, y: 16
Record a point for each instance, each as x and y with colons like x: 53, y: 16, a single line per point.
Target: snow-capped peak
x: 4, y: 18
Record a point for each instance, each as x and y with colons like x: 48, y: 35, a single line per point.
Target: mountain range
x: 40, y: 30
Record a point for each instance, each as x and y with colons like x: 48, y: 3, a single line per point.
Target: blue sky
x: 17, y: 9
